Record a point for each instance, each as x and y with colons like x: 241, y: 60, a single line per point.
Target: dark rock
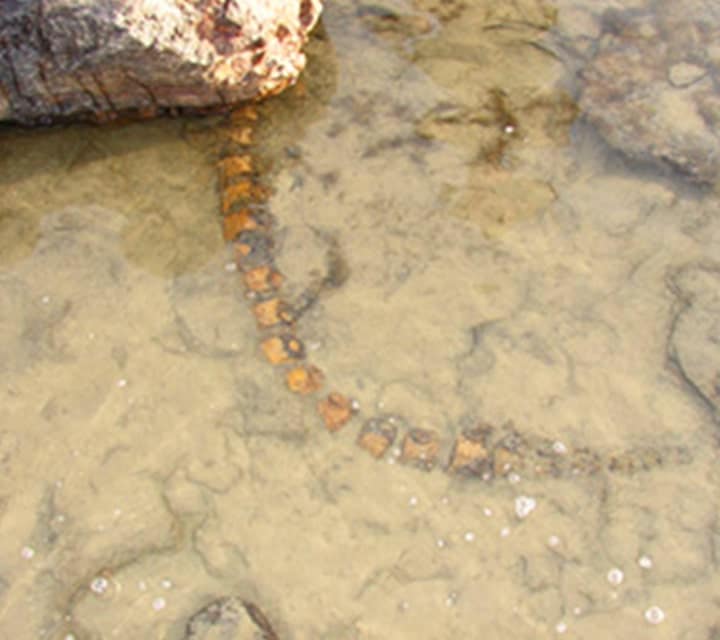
x: 651, y: 88
x: 77, y: 58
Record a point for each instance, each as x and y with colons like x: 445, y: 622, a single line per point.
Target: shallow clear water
x: 505, y: 266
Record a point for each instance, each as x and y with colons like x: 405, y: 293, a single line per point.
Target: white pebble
x: 122, y: 383
x: 412, y: 501
x: 504, y: 532
x: 513, y: 478
x: 230, y: 267
x: 561, y: 627
x: 559, y: 447
x: 166, y: 584
x: 27, y: 552
x: 444, y: 500
x: 553, y: 541
x: 469, y: 536
x: 45, y: 299
x: 615, y: 576
x: 524, y: 506
x: 654, y: 615
x: 440, y: 543
x: 142, y: 585
x: 451, y: 599
x: 158, y: 604
x: 487, y: 511
x: 645, y: 562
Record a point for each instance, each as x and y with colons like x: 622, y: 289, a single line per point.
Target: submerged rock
x: 78, y: 58
x: 651, y: 88
x: 229, y: 618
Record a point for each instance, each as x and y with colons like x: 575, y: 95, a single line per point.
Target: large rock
x: 70, y: 58
x: 652, y: 87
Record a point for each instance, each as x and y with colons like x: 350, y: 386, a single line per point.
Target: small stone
x: 561, y: 627
x: 553, y: 541
x: 469, y: 536
x: 504, y: 532
x: 684, y: 74
x: 158, y: 604
x: 645, y: 562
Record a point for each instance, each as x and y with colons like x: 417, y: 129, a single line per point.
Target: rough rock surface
x: 694, y: 346
x: 70, y: 58
x: 652, y: 87
x: 229, y: 618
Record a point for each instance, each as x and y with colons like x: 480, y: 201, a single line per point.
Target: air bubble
x: 99, y: 585
x: 615, y: 576
x: 654, y: 615
x: 524, y: 506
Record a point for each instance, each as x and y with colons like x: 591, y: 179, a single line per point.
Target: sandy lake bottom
x: 505, y: 267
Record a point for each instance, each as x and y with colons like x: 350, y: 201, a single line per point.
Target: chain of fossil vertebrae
x: 482, y: 450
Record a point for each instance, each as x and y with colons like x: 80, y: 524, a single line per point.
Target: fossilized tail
x: 480, y: 451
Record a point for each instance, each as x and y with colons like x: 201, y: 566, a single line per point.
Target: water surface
x: 505, y: 267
